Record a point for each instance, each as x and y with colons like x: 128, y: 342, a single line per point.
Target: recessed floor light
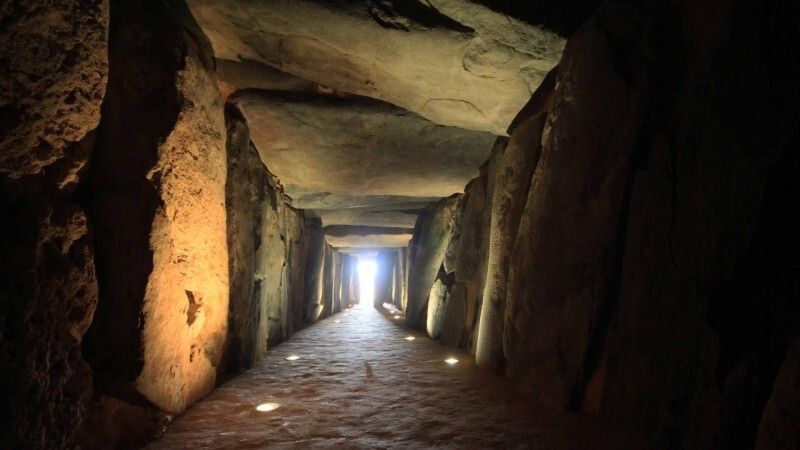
x: 292, y: 358
x: 451, y: 360
x: 267, y: 407
x: 337, y: 321
x: 410, y: 338
x: 396, y: 317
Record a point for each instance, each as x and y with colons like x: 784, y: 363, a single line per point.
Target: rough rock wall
x: 270, y: 246
x: 244, y: 200
x: 513, y: 163
x: 346, y: 289
x: 156, y: 198
x: 282, y: 265
x: 652, y: 276
x: 327, y: 282
x: 446, y: 263
x: 470, y: 245
x: 561, y: 270
x: 432, y: 235
x: 53, y: 72
x: 354, y: 288
x: 404, y: 260
x: 400, y: 278
x: 336, y: 278
x: 709, y: 279
x: 314, y: 278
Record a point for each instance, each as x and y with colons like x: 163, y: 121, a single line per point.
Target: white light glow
x: 410, y: 338
x: 337, y: 321
x: 366, y: 280
x: 267, y: 407
x: 451, y: 360
x: 292, y: 358
x: 396, y: 316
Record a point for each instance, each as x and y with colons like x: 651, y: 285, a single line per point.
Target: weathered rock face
x: 652, y: 276
x: 384, y: 273
x: 470, y: 262
x: 457, y: 272
x: 650, y: 261
x: 280, y: 269
x: 53, y: 79
x: 53, y: 74
x: 513, y: 162
x: 704, y: 278
x: 471, y: 67
x: 157, y: 196
x: 245, y: 193
x: 400, y: 278
x: 269, y: 246
x: 327, y: 282
x: 315, y: 260
x: 432, y: 236
x: 574, y: 200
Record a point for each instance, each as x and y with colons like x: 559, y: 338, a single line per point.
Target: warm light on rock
x: 451, y: 360
x: 267, y: 407
x: 410, y: 338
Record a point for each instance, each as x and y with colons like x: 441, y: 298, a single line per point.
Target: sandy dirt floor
x: 359, y: 383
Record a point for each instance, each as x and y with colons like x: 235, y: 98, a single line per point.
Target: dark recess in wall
x: 562, y: 17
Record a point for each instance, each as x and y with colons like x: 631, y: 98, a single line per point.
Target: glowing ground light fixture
x: 409, y: 338
x: 267, y: 407
x: 337, y: 321
x: 451, y: 360
x: 396, y: 317
x: 292, y: 358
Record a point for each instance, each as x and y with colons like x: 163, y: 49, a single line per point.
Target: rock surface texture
x: 53, y: 73
x: 470, y: 66
x: 304, y: 85
x: 513, y: 163
x: 270, y: 245
x: 593, y: 198
x: 157, y: 202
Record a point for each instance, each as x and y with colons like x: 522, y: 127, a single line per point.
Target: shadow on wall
x: 633, y: 256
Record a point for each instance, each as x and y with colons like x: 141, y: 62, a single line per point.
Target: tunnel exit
x: 366, y: 279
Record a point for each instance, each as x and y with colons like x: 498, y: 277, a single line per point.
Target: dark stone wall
x: 432, y: 235
x: 272, y: 251
x: 53, y: 72
x: 245, y: 194
x: 652, y: 276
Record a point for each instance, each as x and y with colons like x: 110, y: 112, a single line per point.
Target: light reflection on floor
x: 360, y: 384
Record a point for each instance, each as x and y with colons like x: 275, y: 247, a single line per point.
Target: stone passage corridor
x: 359, y: 383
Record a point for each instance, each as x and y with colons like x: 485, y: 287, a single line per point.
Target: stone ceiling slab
x: 454, y: 62
x: 341, y: 236
x: 395, y: 216
x: 333, y: 153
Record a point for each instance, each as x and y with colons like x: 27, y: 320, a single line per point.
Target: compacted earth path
x: 358, y: 380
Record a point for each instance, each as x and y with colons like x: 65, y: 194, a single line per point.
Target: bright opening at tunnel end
x: 366, y: 279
